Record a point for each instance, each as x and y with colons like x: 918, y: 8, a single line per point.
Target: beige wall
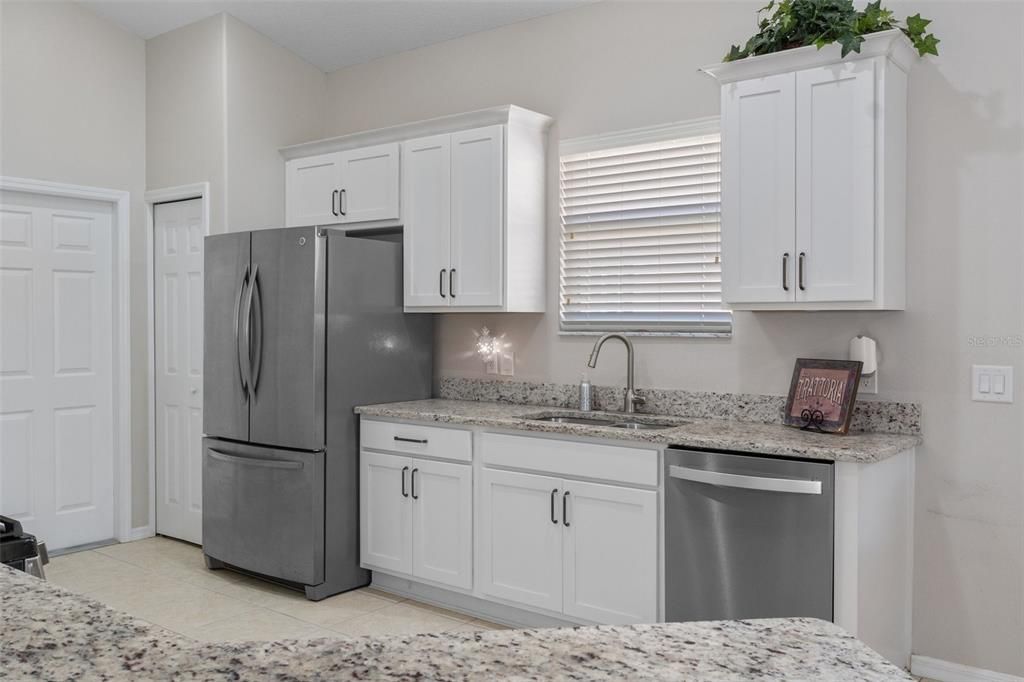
x: 615, y: 66
x: 73, y: 110
x: 274, y: 99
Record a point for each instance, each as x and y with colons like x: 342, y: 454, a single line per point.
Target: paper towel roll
x: 865, y: 349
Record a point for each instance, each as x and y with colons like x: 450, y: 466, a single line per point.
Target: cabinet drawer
x: 417, y: 439
x: 637, y: 466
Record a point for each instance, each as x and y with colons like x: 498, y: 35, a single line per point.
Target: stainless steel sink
x: 609, y: 421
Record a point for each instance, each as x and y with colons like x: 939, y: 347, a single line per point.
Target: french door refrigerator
x: 301, y: 325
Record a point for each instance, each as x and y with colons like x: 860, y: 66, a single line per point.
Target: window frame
x: 580, y: 145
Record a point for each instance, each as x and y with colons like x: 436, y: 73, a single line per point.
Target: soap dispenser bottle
x: 586, y: 394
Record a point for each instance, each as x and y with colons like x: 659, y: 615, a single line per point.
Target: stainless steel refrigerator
x: 300, y: 326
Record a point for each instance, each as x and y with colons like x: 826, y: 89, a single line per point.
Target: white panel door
x: 835, y: 162
x: 519, y: 542
x: 385, y: 519
x: 478, y: 230
x: 758, y: 190
x: 178, y: 359
x: 312, y: 189
x: 611, y: 553
x: 56, y: 371
x: 442, y: 495
x: 426, y: 215
x: 369, y: 183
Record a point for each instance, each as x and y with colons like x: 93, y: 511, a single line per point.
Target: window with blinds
x: 641, y: 235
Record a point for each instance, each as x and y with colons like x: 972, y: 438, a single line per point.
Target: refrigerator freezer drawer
x: 263, y: 510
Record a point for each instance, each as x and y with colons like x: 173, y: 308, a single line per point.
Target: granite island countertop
x: 717, y: 434
x: 53, y: 634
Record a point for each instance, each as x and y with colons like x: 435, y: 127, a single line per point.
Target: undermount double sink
x: 610, y: 421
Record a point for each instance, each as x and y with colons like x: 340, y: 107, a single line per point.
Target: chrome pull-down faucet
x: 632, y: 399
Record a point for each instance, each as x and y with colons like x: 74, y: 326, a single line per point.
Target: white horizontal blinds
x: 641, y: 237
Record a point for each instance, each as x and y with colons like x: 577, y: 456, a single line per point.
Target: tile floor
x: 165, y: 582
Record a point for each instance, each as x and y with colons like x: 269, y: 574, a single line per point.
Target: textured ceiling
x: 338, y: 33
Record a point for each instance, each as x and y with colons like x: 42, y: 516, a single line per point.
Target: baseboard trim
x: 140, y: 533
x: 946, y: 671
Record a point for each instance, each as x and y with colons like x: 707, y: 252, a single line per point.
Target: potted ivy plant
x: 786, y: 24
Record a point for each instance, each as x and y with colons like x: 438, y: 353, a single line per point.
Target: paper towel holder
x: 865, y: 349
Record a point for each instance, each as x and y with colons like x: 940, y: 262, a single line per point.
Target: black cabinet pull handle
x: 405, y: 493
x: 421, y: 441
x: 554, y: 494
x: 451, y: 283
x: 565, y: 515
x: 785, y: 272
x: 800, y: 271
x: 341, y: 202
x: 334, y: 202
x: 440, y: 282
x: 414, y: 495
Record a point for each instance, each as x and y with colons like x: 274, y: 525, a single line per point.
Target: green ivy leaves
x: 784, y: 24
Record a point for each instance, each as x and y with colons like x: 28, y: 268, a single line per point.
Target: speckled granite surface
x: 874, y: 416
x: 52, y: 634
x: 717, y: 434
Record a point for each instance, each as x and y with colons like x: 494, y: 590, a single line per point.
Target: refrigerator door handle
x: 248, y: 327
x: 257, y: 353
x: 253, y: 461
x: 242, y: 366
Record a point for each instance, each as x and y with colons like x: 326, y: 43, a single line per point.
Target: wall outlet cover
x: 869, y: 385
x: 507, y: 363
x: 491, y: 364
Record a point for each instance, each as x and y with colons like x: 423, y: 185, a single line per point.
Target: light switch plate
x: 992, y: 383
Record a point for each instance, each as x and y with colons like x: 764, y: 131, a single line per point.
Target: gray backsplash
x: 875, y: 415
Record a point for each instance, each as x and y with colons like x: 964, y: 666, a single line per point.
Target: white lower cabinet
x: 417, y: 518
x: 583, y: 549
x: 520, y: 538
x: 610, y: 553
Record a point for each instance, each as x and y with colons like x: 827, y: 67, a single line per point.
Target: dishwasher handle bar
x: 776, y: 485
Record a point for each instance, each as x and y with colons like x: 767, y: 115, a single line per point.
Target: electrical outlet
x: 507, y: 363
x: 992, y: 383
x: 491, y: 364
x: 869, y: 385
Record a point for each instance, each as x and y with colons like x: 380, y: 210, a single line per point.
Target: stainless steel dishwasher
x: 747, y: 536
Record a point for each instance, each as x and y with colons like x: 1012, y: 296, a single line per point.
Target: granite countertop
x: 718, y: 434
x: 53, y: 634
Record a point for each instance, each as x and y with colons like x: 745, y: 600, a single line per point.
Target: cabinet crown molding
x: 507, y: 114
x: 892, y: 44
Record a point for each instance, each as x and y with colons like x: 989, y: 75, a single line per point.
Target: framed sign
x: 822, y: 394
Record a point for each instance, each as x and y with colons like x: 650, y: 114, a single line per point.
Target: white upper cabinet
x: 352, y: 186
x: 814, y: 177
x: 369, y: 184
x: 426, y: 194
x: 311, y: 190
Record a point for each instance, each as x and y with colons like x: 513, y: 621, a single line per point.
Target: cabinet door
x: 442, y: 520
x: 369, y: 184
x: 477, y: 232
x: 611, y: 553
x: 385, y: 520
x: 835, y: 172
x: 758, y: 175
x: 520, y: 539
x: 426, y: 205
x: 311, y: 190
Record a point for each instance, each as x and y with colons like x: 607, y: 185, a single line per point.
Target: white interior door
x: 178, y: 359
x: 56, y: 367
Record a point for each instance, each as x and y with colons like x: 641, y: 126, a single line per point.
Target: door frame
x: 121, y: 332
x: 198, y: 190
